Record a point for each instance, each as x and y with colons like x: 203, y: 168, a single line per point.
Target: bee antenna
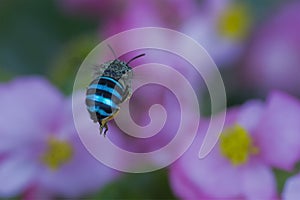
x: 111, y: 49
x: 135, y: 58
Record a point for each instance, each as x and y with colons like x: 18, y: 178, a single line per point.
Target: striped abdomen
x: 103, y: 97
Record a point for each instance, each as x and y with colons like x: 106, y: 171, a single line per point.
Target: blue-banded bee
x: 111, y: 86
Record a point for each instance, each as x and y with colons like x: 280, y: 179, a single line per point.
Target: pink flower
x: 221, y: 27
x: 140, y: 103
x: 273, y: 59
x: 291, y: 189
x: 41, y: 154
x: 143, y: 13
x: 255, y: 138
x: 117, y: 16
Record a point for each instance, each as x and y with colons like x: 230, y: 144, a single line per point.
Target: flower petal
x: 29, y: 107
x: 182, y: 187
x: 258, y: 181
x: 278, y: 134
x: 79, y: 176
x: 16, y: 174
x: 249, y: 115
x: 291, y: 189
x: 214, y: 176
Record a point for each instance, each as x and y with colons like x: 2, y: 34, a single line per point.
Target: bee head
x: 117, y: 69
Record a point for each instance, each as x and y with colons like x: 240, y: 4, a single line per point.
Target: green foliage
x: 281, y: 176
x: 4, y: 75
x: 64, y: 68
x: 153, y: 185
x: 32, y: 32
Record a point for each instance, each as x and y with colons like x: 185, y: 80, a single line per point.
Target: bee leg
x: 101, y: 129
x: 103, y: 124
x: 106, y: 129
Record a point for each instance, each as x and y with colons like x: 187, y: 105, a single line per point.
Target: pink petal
x: 182, y: 187
x: 80, y: 176
x: 291, y: 189
x: 250, y: 114
x: 27, y: 114
x: 16, y: 174
x: 214, y: 176
x: 273, y: 58
x: 278, y: 134
x: 258, y: 181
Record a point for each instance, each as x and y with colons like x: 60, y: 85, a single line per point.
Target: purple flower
x: 273, y: 59
x: 143, y: 13
x: 291, y: 189
x: 117, y: 16
x: 151, y: 94
x: 255, y: 138
x: 41, y: 153
x: 221, y: 26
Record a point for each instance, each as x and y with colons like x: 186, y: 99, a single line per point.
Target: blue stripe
x: 106, y: 89
x: 113, y: 80
x: 98, y: 110
x: 103, y: 100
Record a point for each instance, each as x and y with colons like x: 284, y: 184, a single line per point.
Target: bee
x: 110, y: 87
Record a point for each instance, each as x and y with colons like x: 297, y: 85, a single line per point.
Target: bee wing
x: 138, y: 77
x: 126, y: 81
x: 127, y: 94
x: 93, y: 116
x: 99, y: 69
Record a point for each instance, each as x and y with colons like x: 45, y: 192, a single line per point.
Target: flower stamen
x: 236, y: 145
x: 234, y: 22
x: 58, y: 153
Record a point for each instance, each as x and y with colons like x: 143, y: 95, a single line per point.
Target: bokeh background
x: 255, y: 44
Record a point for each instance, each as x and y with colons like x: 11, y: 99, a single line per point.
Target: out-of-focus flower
x: 273, y: 60
x: 118, y: 15
x: 255, y: 138
x: 221, y: 26
x: 41, y: 154
x: 143, y: 13
x: 151, y: 94
x: 291, y: 189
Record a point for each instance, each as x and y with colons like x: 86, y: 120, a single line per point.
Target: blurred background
x: 255, y: 44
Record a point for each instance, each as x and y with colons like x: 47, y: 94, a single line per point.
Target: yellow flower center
x: 234, y: 22
x: 58, y: 153
x: 236, y: 145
